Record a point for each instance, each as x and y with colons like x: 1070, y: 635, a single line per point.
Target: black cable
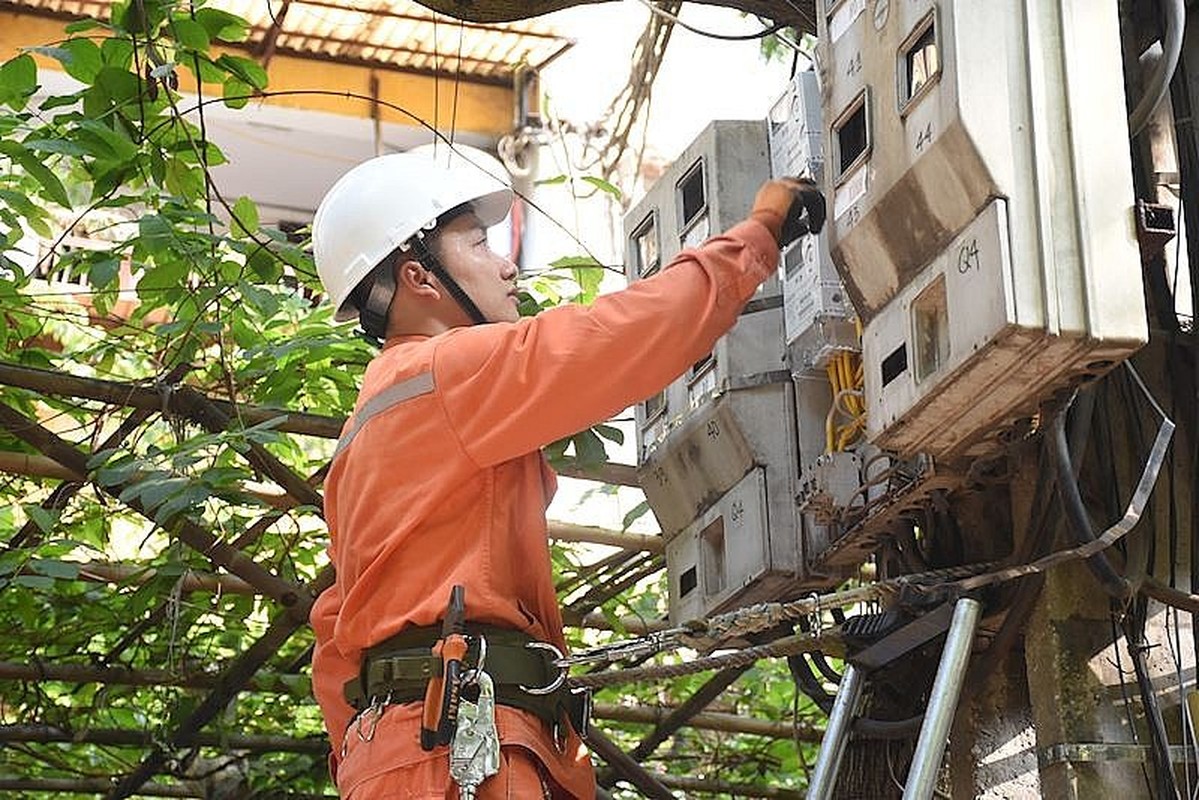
x: 1134, y: 635
x: 775, y: 28
x: 825, y: 668
x: 1077, y: 522
x: 806, y: 682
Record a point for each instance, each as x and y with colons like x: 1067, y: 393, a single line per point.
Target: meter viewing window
x: 851, y: 135
x: 645, y: 247
x: 654, y: 406
x: 701, y: 366
x: 930, y: 322
x: 712, y: 544
x: 919, y: 61
x: 693, y: 194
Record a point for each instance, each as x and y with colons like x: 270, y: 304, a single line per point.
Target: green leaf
x: 184, y: 180
x: 190, y: 34
x: 264, y: 265
x: 45, y: 520
x: 554, y: 181
x: 40, y: 582
x: 85, y: 60
x: 59, y: 54
x: 604, y: 186
x: 63, y: 570
x: 247, y: 69
x: 113, y: 87
x: 245, y: 217
x: 610, y: 432
x: 18, y: 81
x: 60, y: 146
x: 574, y: 261
x: 638, y: 511
x: 103, y: 140
x: 155, y: 232
x: 81, y: 25
x: 236, y: 92
x: 589, y: 449
x: 62, y: 101
x: 261, y: 299
x: 51, y: 186
x: 33, y: 214
x: 101, y: 272
x: 222, y: 25
x: 117, y: 53
x: 589, y: 280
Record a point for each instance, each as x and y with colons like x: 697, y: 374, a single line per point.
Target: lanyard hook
x: 558, y: 680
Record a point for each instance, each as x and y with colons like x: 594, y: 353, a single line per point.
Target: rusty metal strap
x: 1136, y: 507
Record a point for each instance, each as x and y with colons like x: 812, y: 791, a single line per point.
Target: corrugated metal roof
x: 386, y: 33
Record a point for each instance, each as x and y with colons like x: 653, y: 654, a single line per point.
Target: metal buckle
x: 471, y: 676
x: 375, y: 712
x: 557, y: 682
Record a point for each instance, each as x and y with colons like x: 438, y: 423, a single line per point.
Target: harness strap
x: 417, y: 385
x: 397, y: 670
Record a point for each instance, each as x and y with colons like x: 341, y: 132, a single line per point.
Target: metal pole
x: 836, y: 735
x: 934, y: 734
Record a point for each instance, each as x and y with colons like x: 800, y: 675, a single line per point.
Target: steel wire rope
x: 790, y: 645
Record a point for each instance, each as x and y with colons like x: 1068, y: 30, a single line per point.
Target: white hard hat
x: 381, y: 203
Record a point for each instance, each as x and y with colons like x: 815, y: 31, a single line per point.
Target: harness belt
x: 397, y: 670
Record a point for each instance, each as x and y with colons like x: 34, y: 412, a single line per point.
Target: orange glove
x: 789, y: 208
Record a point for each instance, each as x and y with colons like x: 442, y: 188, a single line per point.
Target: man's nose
x: 509, y: 270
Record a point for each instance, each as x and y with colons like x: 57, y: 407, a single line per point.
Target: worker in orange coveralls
x: 439, y: 482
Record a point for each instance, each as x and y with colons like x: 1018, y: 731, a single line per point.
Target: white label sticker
x: 845, y: 15
x: 850, y: 192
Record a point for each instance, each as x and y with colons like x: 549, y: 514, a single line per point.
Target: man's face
x: 488, y: 278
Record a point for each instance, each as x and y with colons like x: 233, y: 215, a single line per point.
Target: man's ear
x: 413, y: 278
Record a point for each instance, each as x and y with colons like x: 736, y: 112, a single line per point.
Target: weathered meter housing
x: 818, y: 322
x: 717, y: 449
x: 817, y: 314
x: 981, y: 207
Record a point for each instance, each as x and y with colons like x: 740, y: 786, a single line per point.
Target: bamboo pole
x: 570, y: 532
x: 709, y: 720
x: 154, y: 399
x: 691, y: 785
x: 49, y: 734
x: 285, y: 593
x: 273, y: 682
x: 92, y: 786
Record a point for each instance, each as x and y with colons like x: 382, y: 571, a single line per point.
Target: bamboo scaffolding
x: 162, y: 398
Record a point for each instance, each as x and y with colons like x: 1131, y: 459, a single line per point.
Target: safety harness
x: 399, y: 670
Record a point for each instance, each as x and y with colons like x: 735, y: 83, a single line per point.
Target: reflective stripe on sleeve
x: 407, y: 389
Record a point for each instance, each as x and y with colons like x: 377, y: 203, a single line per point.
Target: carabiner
x: 553, y: 685
x: 472, y: 675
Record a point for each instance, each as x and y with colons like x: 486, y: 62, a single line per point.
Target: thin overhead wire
x: 745, y: 37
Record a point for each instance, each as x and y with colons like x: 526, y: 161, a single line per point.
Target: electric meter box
x: 817, y: 315
x: 709, y: 188
x: 703, y: 472
x: 726, y: 437
x: 725, y: 559
x: 981, y: 207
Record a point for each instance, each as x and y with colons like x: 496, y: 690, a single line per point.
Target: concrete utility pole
x: 1063, y: 716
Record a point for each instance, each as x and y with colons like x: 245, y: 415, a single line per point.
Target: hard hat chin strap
x: 430, y: 262
x: 374, y: 311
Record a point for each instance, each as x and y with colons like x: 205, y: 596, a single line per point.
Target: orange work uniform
x: 447, y: 486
